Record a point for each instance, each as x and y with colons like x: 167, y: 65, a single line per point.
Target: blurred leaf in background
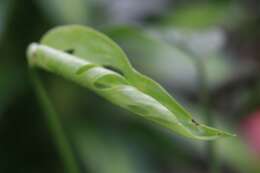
x: 205, y: 15
x: 66, y: 11
x: 147, y: 52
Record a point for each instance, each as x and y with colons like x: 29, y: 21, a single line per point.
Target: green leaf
x: 149, y: 52
x: 152, y: 48
x: 92, y: 60
x: 66, y: 11
x: 205, y: 15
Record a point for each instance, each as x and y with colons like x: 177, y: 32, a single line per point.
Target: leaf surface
x: 91, y: 59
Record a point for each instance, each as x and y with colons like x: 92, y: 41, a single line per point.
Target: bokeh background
x: 163, y: 39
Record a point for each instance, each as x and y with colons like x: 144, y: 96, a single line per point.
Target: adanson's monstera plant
x: 92, y: 60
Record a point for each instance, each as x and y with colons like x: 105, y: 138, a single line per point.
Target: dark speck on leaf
x: 195, y: 122
x: 70, y: 51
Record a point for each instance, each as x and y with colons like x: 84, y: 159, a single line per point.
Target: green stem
x: 205, y: 101
x: 54, y: 125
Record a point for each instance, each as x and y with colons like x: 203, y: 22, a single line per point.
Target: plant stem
x: 54, y: 125
x: 205, y: 101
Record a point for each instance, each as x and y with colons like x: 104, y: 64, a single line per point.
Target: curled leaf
x: 97, y: 63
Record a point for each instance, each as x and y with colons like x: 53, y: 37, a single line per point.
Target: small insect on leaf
x: 101, y: 65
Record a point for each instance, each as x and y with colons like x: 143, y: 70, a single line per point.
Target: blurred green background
x: 163, y: 39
